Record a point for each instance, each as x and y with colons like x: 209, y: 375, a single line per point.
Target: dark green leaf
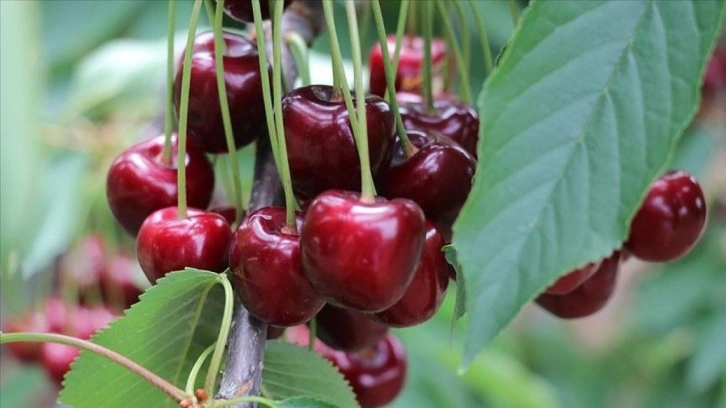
x: 292, y: 371
x: 165, y: 332
x: 580, y: 117
x: 304, y: 402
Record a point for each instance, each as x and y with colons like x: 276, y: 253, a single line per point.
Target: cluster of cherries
x: 106, y: 284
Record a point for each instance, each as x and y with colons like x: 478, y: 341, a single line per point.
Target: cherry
x: 244, y: 93
x: 85, y: 264
x: 274, y: 332
x: 570, y: 281
x: 229, y: 213
x: 451, y: 118
x: 670, y: 220
x: 265, y: 258
x: 56, y: 312
x: 589, y: 297
x: 409, y: 76
x: 348, y: 330
x: 119, y: 281
x: 320, y: 144
x: 361, y: 255
x: 33, y: 322
x: 426, y: 292
x: 437, y: 177
x: 241, y: 10
x: 56, y: 359
x: 139, y: 182
x: 87, y: 321
x: 168, y: 243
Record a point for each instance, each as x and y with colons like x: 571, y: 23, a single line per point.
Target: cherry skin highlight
x: 347, y: 329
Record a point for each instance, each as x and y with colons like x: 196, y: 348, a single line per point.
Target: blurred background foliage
x: 81, y: 80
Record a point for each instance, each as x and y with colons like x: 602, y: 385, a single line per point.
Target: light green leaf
x: 165, y: 332
x: 579, y: 118
x: 292, y: 371
x: 304, y: 402
x: 460, y: 306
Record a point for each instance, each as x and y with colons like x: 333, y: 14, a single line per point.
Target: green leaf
x: 579, y: 118
x: 165, y: 332
x: 708, y: 363
x: 292, y: 371
x: 304, y: 402
x: 20, y: 385
x: 460, y: 306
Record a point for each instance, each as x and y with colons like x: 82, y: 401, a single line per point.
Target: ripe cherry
x: 56, y: 359
x: 121, y: 280
x: 320, y: 145
x: 168, y: 243
x: 670, y: 220
x: 241, y: 10
x: 361, y: 255
x: 139, y: 182
x: 409, y: 76
x: 33, y: 322
x: 426, y: 292
x: 265, y: 258
x: 347, y: 329
x: 244, y: 93
x: 573, y: 279
x: 589, y: 297
x: 84, y: 265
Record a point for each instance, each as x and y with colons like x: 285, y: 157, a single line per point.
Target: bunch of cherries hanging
x: 372, y: 188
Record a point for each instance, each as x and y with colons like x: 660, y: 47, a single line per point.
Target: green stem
x: 169, y: 112
x: 428, y: 80
x: 216, y: 360
x: 400, y: 27
x: 366, y: 22
x: 299, y: 50
x: 209, y: 8
x: 168, y: 388
x: 219, y: 50
x: 514, y: 9
x: 483, y: 37
x: 411, y: 21
x: 184, y: 111
x: 463, y: 71
x: 312, y: 334
x: 465, y: 33
x: 192, y: 379
x: 226, y: 403
x: 408, y: 148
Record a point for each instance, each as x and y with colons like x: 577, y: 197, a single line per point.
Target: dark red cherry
x: 274, y: 332
x: 139, y: 182
x: 244, y: 93
x: 348, y: 330
x: 426, y: 292
x: 589, y: 297
x: 437, y: 177
x: 453, y: 119
x: 376, y: 374
x: 33, y: 322
x: 241, y: 10
x: 56, y: 359
x: 569, y: 282
x: 168, y: 243
x: 320, y: 144
x: 361, y: 255
x: 670, y: 220
x: 265, y: 258
x: 409, y: 76
x: 229, y: 213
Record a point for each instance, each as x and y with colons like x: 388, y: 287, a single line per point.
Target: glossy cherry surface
x: 589, y: 297
x: 570, y: 281
x: 347, y: 329
x: 56, y: 359
x: 139, y: 183
x: 244, y: 93
x: 320, y: 144
x: 670, y: 221
x: 265, y: 258
x: 438, y: 177
x: 426, y: 292
x: 167, y: 243
x: 33, y: 322
x: 409, y: 76
x: 241, y: 10
x: 361, y: 255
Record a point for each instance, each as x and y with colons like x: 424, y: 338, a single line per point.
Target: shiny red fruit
x: 243, y: 82
x: 168, y: 243
x: 426, y: 292
x: 348, y: 330
x: 409, y: 76
x: 589, y: 297
x: 670, y: 221
x: 361, y: 255
x: 56, y: 359
x: 33, y: 322
x: 265, y: 258
x: 320, y: 144
x: 569, y: 282
x: 438, y: 177
x: 241, y: 10
x: 139, y: 182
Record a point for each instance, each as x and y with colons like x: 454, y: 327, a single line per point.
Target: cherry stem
x: 169, y: 112
x: 483, y: 37
x: 411, y: 26
x: 168, y: 388
x: 463, y: 71
x: 259, y: 400
x: 514, y: 9
x: 192, y: 379
x: 219, y: 51
x: 408, y: 148
x: 312, y: 333
x: 428, y: 80
x: 465, y: 37
x: 209, y: 8
x: 400, y: 26
x: 184, y: 111
x: 216, y: 360
x: 299, y: 51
